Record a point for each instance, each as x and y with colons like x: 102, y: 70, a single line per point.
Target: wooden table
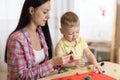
x: 111, y: 69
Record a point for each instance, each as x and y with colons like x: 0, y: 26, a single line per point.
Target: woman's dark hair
x: 25, y: 19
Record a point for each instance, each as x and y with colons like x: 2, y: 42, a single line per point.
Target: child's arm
x: 92, y: 59
x: 79, y: 62
x: 90, y: 56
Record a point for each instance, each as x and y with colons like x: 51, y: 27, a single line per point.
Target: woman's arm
x: 18, y: 67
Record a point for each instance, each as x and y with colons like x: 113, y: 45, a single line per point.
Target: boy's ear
x: 31, y: 10
x: 61, y: 30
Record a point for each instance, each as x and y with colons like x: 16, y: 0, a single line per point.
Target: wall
x: 9, y: 14
x: 97, y: 18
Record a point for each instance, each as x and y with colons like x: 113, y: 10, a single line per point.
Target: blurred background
x: 99, y: 23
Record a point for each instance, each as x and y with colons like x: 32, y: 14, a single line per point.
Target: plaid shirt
x: 21, y: 59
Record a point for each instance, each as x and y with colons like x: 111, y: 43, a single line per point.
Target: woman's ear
x: 31, y: 10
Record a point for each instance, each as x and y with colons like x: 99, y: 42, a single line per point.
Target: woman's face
x: 40, y: 15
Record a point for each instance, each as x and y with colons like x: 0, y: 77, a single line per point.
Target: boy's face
x: 70, y: 33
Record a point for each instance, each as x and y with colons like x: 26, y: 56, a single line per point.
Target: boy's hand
x: 97, y: 68
x: 67, y: 58
x: 79, y: 62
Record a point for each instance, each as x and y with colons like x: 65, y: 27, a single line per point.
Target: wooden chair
x: 102, y: 46
x: 119, y: 56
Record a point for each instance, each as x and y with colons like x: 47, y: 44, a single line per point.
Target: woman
x: 29, y: 47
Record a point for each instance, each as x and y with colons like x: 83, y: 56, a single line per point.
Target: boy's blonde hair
x: 70, y: 19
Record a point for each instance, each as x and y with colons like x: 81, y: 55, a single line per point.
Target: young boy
x: 71, y: 42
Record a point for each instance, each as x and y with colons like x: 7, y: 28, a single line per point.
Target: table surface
x: 111, y: 69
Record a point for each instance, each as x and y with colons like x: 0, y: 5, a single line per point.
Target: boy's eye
x: 70, y: 33
x: 45, y: 12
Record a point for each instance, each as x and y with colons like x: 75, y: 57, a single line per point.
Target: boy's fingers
x: 66, y: 59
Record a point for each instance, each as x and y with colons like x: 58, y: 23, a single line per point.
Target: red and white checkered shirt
x: 21, y: 59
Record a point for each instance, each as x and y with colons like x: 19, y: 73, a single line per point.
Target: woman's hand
x: 61, y: 60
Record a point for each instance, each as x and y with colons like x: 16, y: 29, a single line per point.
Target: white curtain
x: 9, y: 14
x: 58, y: 7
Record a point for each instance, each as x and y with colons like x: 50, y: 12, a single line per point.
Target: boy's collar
x: 68, y: 43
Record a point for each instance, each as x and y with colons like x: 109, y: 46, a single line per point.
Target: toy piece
x: 87, y: 78
x: 77, y: 73
x: 102, y: 64
x: 71, y: 52
x: 103, y: 71
x: 115, y: 70
x: 88, y: 68
x: 100, y: 72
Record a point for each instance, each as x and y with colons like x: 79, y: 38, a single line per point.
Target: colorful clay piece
x: 87, y: 78
x: 115, y: 70
x: 102, y: 64
x: 88, y: 68
x: 103, y: 71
